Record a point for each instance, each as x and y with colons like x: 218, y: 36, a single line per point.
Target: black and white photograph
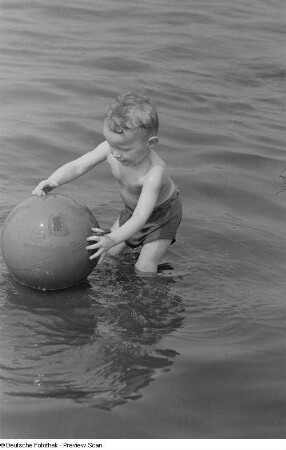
x: 143, y: 223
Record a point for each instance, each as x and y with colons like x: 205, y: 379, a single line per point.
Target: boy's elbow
x: 76, y: 169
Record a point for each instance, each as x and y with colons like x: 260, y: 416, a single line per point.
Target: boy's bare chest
x: 128, y: 178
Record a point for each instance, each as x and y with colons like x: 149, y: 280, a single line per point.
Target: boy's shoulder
x: 156, y: 162
x: 157, y: 170
x: 102, y: 149
x: 95, y: 156
x: 104, y: 146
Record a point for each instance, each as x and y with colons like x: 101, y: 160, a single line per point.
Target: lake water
x: 198, y: 351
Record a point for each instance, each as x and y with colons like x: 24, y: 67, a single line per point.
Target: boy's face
x: 128, y: 147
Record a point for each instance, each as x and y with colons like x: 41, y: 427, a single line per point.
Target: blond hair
x: 130, y: 111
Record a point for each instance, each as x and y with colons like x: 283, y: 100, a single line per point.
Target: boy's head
x: 132, y: 112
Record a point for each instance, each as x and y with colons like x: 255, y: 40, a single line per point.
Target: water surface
x: 199, y: 351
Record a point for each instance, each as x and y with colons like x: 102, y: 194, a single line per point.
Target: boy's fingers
x: 92, y: 238
x: 101, y: 231
x: 97, y: 254
x: 92, y: 246
x: 38, y: 193
x: 101, y: 258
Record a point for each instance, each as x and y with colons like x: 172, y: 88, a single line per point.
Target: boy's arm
x: 146, y: 204
x: 73, y: 169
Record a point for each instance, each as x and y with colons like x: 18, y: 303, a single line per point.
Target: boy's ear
x: 153, y: 141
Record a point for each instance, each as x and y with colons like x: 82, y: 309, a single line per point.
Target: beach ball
x: 44, y: 239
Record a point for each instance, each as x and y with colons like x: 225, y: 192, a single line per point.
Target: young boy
x: 152, y: 205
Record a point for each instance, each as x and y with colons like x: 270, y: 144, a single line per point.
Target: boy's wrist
x: 53, y: 182
x: 114, y: 238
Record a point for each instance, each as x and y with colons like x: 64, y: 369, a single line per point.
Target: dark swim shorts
x: 162, y: 224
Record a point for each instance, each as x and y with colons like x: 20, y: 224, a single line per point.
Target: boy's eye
x: 118, y: 148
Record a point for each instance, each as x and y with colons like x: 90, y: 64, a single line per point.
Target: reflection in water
x: 95, y: 343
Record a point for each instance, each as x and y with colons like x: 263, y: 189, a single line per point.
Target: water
x: 198, y: 352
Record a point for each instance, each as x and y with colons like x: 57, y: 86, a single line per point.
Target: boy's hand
x: 44, y: 187
x: 103, y: 243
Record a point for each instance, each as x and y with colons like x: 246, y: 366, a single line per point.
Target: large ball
x: 44, y: 240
